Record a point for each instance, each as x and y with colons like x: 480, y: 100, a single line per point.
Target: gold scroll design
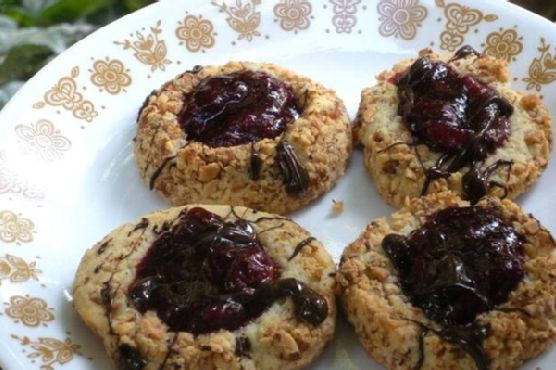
x: 14, y: 228
x: 242, y: 17
x: 30, y: 311
x: 293, y: 15
x: 16, y: 270
x: 49, y: 352
x: 345, y: 14
x: 542, y: 70
x: 64, y: 94
x: 148, y: 48
x: 44, y: 139
x: 459, y: 20
x: 196, y: 33
x: 110, y: 75
x: 506, y: 44
x: 400, y: 18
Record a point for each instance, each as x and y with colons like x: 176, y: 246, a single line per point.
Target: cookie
x: 448, y: 285
x: 246, y: 134
x: 444, y: 122
x: 208, y: 287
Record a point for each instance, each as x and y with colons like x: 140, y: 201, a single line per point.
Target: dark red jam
x: 452, y: 113
x: 237, y: 108
x: 463, y: 261
x: 204, y: 274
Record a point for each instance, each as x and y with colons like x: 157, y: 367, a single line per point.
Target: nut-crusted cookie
x: 446, y: 285
x: 243, y: 134
x: 445, y: 122
x: 208, y: 287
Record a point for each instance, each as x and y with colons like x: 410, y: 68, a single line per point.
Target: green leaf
x: 23, y: 61
x: 19, y: 15
x: 133, y: 5
x: 11, y: 2
x: 71, y: 10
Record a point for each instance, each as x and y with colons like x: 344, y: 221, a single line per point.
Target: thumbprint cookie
x: 208, y: 287
x: 449, y: 285
x: 453, y: 123
x: 246, y: 134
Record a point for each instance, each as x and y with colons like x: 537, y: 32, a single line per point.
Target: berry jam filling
x: 452, y: 113
x: 205, y: 274
x: 456, y: 115
x: 237, y: 108
x: 463, y: 261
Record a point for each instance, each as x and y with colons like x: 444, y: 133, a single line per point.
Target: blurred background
x: 34, y: 31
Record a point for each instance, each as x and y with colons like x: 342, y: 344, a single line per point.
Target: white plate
x: 67, y: 172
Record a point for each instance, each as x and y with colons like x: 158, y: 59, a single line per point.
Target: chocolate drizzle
x: 424, y: 332
x: 168, y: 352
x: 300, y: 246
x: 475, y: 183
x: 103, y: 247
x: 143, y: 224
x: 196, y: 68
x: 455, y: 115
x: 243, y: 346
x: 255, y: 164
x: 130, y: 359
x: 296, y: 178
x: 204, y: 274
x: 145, y: 102
x: 308, y: 304
x: 105, y: 294
x: 158, y: 171
x: 468, y: 337
x: 464, y: 52
x: 462, y: 262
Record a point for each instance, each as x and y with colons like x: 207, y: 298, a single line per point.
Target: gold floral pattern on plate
x: 400, y: 18
x: 64, y: 94
x: 242, y: 17
x: 15, y: 229
x: 196, y: 33
x: 293, y: 15
x: 459, y: 20
x: 16, y: 270
x: 149, y: 49
x: 110, y: 75
x: 50, y: 352
x: 542, y: 69
x: 12, y: 183
x: 506, y: 44
x: 44, y: 139
x: 30, y: 311
x: 345, y: 14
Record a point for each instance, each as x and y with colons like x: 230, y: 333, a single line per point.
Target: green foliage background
x: 34, y: 31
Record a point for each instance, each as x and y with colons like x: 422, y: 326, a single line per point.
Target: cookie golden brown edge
x: 400, y: 336
x: 106, y: 298
x: 291, y: 170
x: 400, y: 165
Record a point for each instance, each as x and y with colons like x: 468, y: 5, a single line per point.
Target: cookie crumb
x: 337, y: 206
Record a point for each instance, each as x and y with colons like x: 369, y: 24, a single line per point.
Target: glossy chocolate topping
x: 463, y: 261
x: 204, y: 274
